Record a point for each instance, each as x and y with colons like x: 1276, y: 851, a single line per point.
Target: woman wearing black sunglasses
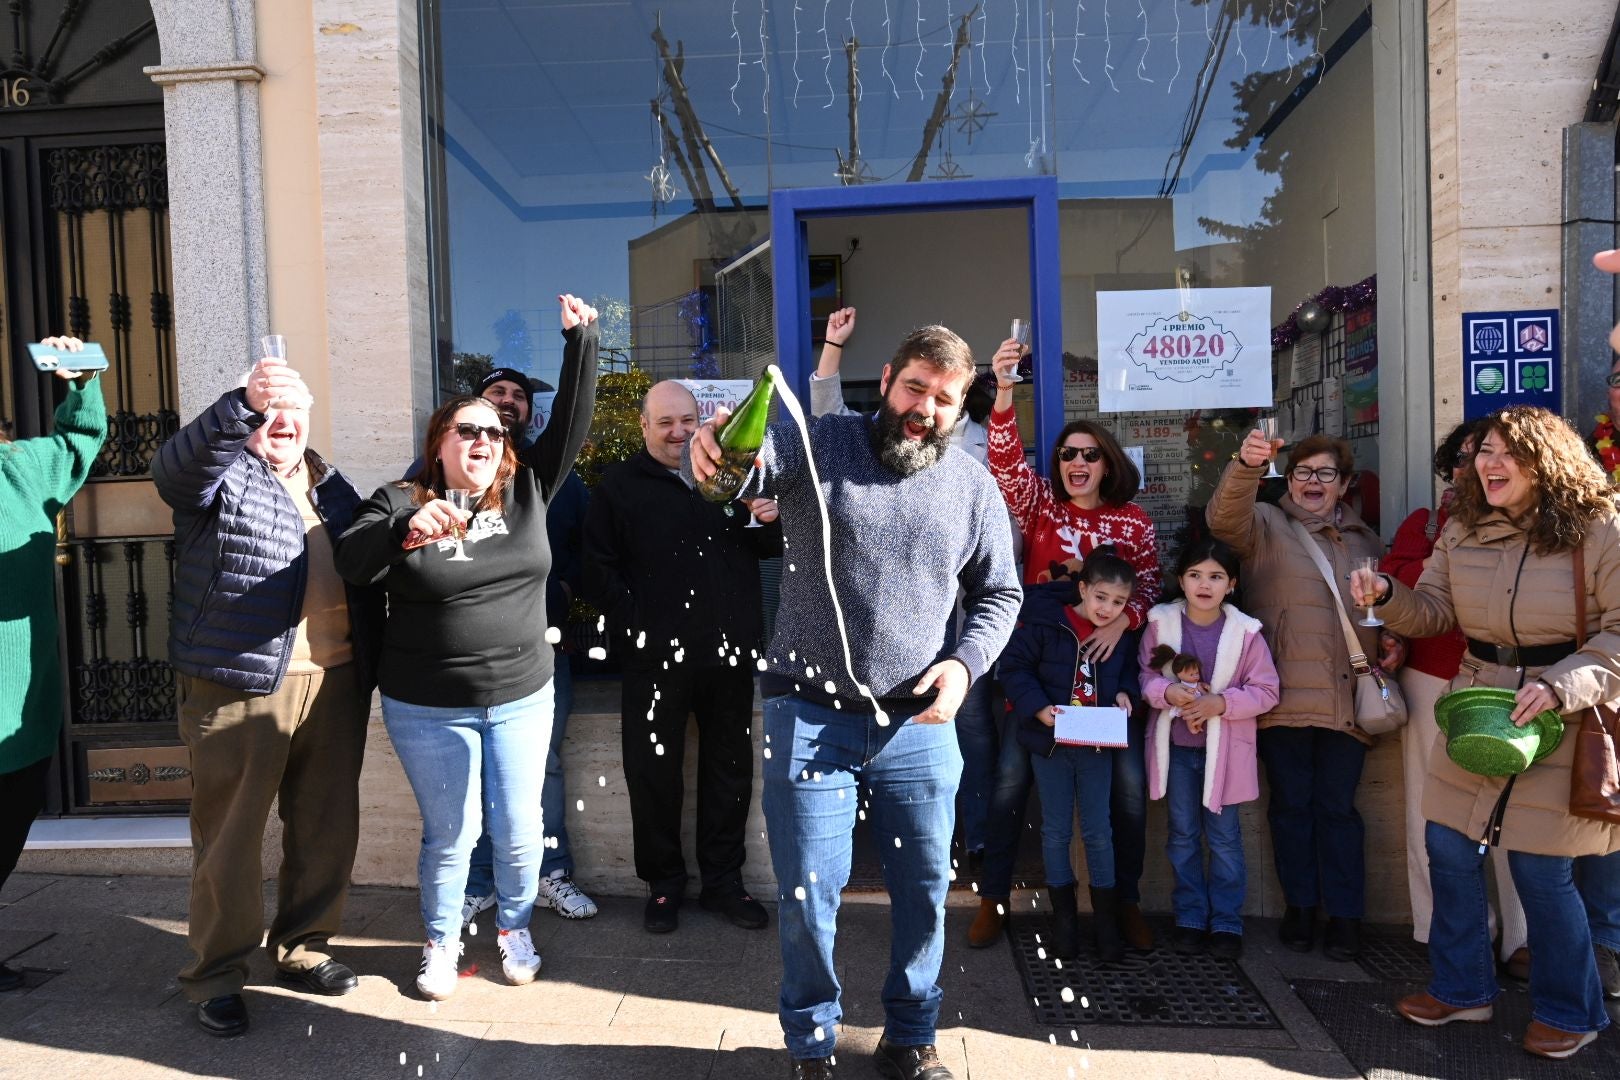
x: 1311, y: 746
x: 466, y: 684
x: 1086, y: 504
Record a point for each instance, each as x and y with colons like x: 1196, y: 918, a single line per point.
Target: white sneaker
x: 559, y: 893
x: 519, y: 962
x: 471, y: 906
x: 436, y: 980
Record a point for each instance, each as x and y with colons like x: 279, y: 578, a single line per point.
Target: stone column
x: 1505, y: 79
x: 374, y: 229
x: 216, y: 194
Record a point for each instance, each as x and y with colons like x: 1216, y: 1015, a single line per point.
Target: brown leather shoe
x: 1518, y: 965
x: 986, y: 928
x: 1138, y: 934
x: 1426, y: 1010
x: 1549, y: 1042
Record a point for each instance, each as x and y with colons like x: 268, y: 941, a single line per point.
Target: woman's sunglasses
x: 470, y: 432
x: 1092, y: 454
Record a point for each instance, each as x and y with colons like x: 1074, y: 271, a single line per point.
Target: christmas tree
x: 616, y: 425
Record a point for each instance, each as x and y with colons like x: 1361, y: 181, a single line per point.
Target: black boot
x: 1298, y: 929
x: 1065, y: 922
x: 1105, y: 920
x: 1343, y: 940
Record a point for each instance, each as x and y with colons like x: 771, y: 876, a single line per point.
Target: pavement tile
x: 121, y: 960
x: 616, y: 931
x: 286, y: 1040
x: 84, y: 901
x: 565, y: 1052
x: 19, y: 886
x: 711, y: 995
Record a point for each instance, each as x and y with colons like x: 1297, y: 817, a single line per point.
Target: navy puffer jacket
x: 240, y: 562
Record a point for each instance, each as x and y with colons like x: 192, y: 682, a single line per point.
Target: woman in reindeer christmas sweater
x: 1086, y: 505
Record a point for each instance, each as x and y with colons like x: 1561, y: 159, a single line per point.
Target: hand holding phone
x: 67, y: 356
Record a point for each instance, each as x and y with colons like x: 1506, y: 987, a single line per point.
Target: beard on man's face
x: 908, y: 456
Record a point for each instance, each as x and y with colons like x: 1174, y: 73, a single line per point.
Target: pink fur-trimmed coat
x: 1244, y: 675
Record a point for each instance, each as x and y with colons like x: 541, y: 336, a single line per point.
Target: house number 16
x: 14, y: 93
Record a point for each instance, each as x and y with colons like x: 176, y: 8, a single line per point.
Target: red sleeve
x: 1144, y: 556
x: 1410, y: 549
x: 1028, y: 497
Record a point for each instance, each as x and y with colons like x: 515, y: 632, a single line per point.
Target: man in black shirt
x: 677, y: 578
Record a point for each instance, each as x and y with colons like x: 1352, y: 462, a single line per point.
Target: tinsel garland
x: 694, y: 312
x: 1341, y: 298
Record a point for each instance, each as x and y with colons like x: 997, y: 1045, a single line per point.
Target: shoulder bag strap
x: 1358, y: 659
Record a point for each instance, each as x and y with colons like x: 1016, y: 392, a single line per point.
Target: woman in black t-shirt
x: 465, y: 671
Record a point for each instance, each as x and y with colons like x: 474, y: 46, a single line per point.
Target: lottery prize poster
x: 1166, y: 350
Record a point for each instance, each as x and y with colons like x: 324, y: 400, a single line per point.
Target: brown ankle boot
x: 986, y: 928
x: 1138, y: 934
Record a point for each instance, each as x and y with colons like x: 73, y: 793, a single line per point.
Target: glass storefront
x: 627, y: 151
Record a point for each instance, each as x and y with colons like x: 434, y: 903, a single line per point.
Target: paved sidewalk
x: 612, y: 1002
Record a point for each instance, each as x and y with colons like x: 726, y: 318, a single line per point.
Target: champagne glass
x: 273, y: 347
x: 461, y: 499
x: 1020, y: 334
x: 1268, y: 428
x: 1370, y: 565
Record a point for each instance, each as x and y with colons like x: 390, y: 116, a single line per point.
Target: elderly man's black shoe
x: 735, y: 904
x: 223, y: 1016
x: 328, y: 977
x: 910, y: 1062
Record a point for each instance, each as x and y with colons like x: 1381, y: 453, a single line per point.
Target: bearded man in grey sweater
x: 864, y: 676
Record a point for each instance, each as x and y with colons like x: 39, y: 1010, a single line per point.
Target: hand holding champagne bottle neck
x: 738, y: 441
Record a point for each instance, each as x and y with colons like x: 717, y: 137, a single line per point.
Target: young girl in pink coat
x: 1201, y: 747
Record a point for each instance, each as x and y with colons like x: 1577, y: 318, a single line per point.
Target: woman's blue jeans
x: 558, y: 855
x: 471, y: 767
x: 818, y: 763
x: 1564, y: 989
x: 1076, y: 777
x: 1212, y: 901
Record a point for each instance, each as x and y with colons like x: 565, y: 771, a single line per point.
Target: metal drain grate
x: 1361, y: 1019
x: 1392, y: 956
x: 1161, y: 988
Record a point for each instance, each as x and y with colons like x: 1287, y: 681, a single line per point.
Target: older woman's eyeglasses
x: 470, y: 432
x: 1613, y: 379
x: 1324, y: 475
x: 1092, y: 454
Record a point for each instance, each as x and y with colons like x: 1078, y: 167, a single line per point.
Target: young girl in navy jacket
x: 1041, y: 668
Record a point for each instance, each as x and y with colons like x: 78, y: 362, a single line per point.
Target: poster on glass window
x: 1164, y: 350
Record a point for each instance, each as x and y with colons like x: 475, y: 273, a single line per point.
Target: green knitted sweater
x: 37, y: 478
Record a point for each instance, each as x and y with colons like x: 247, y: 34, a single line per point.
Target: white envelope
x: 1085, y: 725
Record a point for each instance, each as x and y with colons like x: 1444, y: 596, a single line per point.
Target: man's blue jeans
x: 980, y: 744
x: 1071, y: 777
x: 481, y: 873
x: 818, y: 762
x: 467, y: 765
x: 1564, y: 989
x: 1212, y: 901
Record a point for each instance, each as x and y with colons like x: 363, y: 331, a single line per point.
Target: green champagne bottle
x: 740, y: 441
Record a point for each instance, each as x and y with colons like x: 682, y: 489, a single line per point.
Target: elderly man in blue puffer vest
x: 275, y: 658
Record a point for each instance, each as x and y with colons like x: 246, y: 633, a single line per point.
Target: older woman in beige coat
x: 1503, y: 572
x: 1311, y: 746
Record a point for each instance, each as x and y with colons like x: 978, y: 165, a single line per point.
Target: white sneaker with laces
x: 471, y: 906
x: 519, y: 962
x: 559, y: 893
x: 436, y: 979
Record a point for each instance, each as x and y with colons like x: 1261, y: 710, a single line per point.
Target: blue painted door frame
x: 791, y: 208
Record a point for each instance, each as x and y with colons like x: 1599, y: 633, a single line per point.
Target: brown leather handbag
x: 1594, y: 774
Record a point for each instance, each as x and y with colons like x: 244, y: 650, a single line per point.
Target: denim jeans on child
x: 481, y: 874
x: 1203, y: 901
x: 469, y: 766
x: 819, y: 762
x: 1076, y: 777
x: 1564, y: 989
